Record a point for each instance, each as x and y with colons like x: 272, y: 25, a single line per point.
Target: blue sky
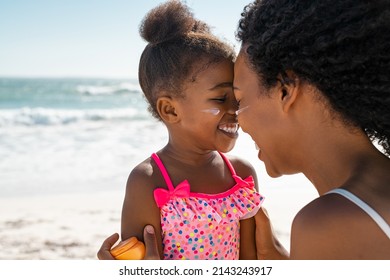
x: 89, y: 38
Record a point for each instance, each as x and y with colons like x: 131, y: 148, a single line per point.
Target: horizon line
x: 66, y: 77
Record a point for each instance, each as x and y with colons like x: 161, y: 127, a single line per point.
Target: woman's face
x: 260, y: 116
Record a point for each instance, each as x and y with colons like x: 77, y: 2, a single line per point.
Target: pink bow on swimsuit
x: 247, y: 181
x: 162, y: 196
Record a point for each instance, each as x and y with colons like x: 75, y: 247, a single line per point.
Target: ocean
x: 72, y: 135
x: 81, y: 135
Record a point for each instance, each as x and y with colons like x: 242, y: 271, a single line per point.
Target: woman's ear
x: 288, y: 90
x: 166, y: 108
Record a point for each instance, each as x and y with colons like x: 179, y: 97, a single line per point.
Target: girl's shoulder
x: 142, y: 171
x: 242, y: 167
x: 143, y: 176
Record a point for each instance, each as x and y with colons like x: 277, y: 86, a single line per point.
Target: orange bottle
x: 129, y: 249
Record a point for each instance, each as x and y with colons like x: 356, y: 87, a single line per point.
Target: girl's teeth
x: 229, y: 128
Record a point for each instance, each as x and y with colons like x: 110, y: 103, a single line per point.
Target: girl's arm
x: 248, y: 226
x: 247, y: 239
x: 139, y: 207
x: 258, y: 240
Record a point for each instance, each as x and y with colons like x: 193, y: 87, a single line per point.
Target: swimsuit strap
x: 163, y: 171
x: 227, y: 162
x: 364, y: 206
x: 168, y: 180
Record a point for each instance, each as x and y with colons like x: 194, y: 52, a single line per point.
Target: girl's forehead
x: 213, y: 73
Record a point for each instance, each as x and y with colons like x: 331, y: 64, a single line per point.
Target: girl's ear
x: 166, y: 108
x: 288, y: 90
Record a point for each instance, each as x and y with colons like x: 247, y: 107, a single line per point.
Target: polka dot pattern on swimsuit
x: 198, y: 228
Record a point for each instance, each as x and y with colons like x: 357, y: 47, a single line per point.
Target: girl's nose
x: 232, y: 106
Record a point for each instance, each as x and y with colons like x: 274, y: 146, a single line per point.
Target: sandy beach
x: 67, y: 226
x: 73, y: 225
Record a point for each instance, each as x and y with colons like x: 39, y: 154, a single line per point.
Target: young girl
x: 199, y: 200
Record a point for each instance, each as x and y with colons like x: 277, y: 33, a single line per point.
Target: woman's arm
x: 267, y: 245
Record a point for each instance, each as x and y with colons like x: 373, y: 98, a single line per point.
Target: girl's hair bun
x: 168, y: 21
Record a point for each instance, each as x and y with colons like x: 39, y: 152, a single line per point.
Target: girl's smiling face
x: 207, y: 111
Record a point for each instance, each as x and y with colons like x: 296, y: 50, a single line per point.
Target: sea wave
x: 108, y: 89
x: 43, y: 116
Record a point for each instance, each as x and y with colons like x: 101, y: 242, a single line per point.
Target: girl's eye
x: 220, y: 100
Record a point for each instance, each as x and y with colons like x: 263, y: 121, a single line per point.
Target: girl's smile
x: 230, y: 129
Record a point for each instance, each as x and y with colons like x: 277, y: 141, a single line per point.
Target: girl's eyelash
x: 222, y: 99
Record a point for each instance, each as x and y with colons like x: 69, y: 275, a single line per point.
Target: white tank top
x: 364, y: 206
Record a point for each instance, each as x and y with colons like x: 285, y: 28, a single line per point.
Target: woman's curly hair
x: 340, y: 46
x: 179, y: 46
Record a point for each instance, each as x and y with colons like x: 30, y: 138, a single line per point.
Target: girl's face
x: 260, y: 116
x: 207, y: 111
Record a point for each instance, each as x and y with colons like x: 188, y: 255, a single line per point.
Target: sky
x: 89, y: 38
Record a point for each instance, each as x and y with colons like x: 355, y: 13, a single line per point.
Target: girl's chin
x: 227, y: 148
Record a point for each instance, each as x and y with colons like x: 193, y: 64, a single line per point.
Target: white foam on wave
x: 108, y: 90
x: 79, y: 157
x: 44, y: 116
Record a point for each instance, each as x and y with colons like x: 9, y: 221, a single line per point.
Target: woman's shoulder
x: 323, y: 211
x: 332, y: 227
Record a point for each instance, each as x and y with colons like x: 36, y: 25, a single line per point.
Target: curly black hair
x: 179, y: 47
x: 340, y: 46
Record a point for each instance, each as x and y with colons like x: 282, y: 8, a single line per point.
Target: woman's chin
x: 272, y: 172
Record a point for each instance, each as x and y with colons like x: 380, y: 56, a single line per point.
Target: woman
x: 314, y: 79
x: 313, y: 82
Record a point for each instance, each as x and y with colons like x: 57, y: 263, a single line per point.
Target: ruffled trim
x: 240, y: 202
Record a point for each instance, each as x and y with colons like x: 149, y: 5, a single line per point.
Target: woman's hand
x: 150, y: 243
x: 104, y: 251
x: 267, y: 245
x: 149, y: 240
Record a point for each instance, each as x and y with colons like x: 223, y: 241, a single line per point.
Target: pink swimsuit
x: 199, y: 226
